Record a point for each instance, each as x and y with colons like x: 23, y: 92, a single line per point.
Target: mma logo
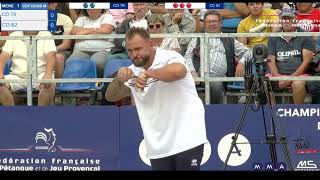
x: 240, y: 152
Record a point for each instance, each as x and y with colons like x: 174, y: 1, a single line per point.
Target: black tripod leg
x: 275, y: 123
x: 242, y: 119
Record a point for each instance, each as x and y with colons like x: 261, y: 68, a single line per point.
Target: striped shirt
x: 217, y: 55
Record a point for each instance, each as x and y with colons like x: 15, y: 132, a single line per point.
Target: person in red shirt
x: 308, y: 18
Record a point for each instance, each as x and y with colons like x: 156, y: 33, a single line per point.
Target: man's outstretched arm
x: 168, y: 73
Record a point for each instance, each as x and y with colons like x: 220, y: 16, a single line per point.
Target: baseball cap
x: 288, y: 12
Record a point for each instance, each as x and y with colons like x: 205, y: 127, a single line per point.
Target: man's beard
x: 142, y: 62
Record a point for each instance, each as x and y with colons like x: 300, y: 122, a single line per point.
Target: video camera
x: 259, y: 61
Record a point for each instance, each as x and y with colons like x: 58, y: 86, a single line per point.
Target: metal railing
x: 204, y: 74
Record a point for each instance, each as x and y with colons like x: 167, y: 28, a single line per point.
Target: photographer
x: 290, y: 56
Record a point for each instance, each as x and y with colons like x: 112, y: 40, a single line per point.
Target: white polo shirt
x: 18, y: 49
x: 171, y: 114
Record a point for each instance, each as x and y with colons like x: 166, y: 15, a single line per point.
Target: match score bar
x: 27, y: 17
x: 194, y: 5
x: 94, y: 5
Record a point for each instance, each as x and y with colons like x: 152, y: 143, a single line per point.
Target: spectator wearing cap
x: 259, y: 21
x: 290, y: 56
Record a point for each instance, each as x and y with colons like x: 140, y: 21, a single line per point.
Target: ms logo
x: 46, y: 140
x: 240, y: 152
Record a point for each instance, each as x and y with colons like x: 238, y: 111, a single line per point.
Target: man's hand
x: 177, y: 18
x: 285, y: 84
x: 46, y: 85
x: 195, y: 75
x: 239, y: 70
x: 141, y: 81
x: 124, y: 74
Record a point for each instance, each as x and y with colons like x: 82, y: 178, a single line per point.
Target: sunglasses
x: 157, y: 26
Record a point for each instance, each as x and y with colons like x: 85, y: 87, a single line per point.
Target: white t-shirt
x: 65, y: 21
x: 143, y: 23
x: 95, y: 45
x: 18, y: 49
x: 171, y: 114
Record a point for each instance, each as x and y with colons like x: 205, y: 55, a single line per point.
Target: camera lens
x: 259, y: 51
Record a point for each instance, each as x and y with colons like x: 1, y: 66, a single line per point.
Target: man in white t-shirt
x: 17, y: 51
x: 171, y: 113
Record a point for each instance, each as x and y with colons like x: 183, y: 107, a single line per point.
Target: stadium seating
x: 7, y: 67
x: 79, y: 68
x: 113, y: 65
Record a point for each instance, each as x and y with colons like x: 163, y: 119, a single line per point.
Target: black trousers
x: 314, y: 88
x: 189, y: 160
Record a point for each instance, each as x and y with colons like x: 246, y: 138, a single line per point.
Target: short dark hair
x: 85, y: 13
x: 137, y: 30
x: 254, y: 2
x: 212, y: 12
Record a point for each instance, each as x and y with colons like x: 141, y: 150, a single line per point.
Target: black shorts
x: 189, y: 160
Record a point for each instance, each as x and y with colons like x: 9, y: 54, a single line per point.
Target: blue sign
x: 52, y: 15
x: 119, y: 5
x: 52, y: 20
x: 75, y: 138
x: 252, y: 153
x: 52, y: 26
x: 214, y: 5
x: 95, y: 138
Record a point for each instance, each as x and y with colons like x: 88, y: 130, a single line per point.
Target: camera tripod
x: 262, y: 86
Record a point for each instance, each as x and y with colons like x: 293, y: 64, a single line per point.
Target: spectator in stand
x: 156, y: 26
x: 74, y: 14
x: 158, y: 8
x: 138, y: 20
x: 222, y: 53
x: 308, y: 18
x: 119, y: 15
x: 17, y: 51
x: 290, y: 56
x: 64, y: 46
x: 94, y: 21
x: 232, y: 14
x: 178, y: 21
x: 259, y: 20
